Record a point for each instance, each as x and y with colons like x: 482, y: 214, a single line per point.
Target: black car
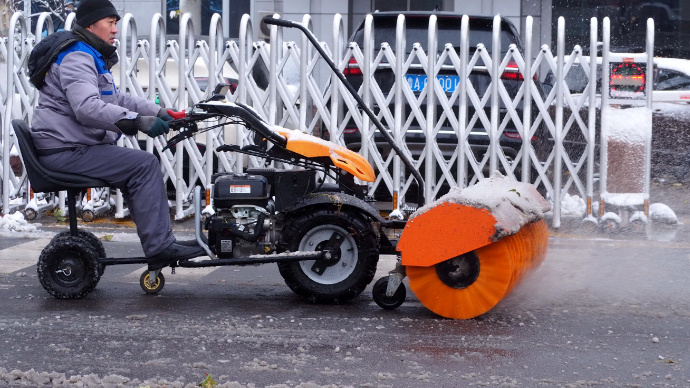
x: 480, y: 31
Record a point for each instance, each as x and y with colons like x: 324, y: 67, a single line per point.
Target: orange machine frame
x: 312, y: 147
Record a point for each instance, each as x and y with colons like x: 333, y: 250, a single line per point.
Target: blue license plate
x: 418, y: 81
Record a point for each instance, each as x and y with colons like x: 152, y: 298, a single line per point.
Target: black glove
x: 151, y: 125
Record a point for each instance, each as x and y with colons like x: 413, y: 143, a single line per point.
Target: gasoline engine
x: 242, y: 224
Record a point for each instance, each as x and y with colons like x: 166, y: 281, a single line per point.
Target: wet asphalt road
x: 588, y: 316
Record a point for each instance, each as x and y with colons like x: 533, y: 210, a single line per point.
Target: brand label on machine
x: 243, y: 189
x: 226, y: 245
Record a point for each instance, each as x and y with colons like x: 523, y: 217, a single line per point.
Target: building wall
x: 142, y: 10
x: 509, y: 9
x: 321, y: 12
x: 516, y: 11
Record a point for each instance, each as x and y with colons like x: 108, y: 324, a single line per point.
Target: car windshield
x: 448, y: 32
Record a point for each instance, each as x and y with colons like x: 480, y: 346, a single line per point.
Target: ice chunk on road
x: 16, y: 222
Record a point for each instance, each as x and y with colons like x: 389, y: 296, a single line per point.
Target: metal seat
x: 45, y: 180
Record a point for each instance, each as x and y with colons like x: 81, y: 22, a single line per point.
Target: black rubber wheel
x: 30, y: 214
x: 151, y: 288
x: 385, y: 302
x: 90, y: 238
x: 68, y: 268
x: 357, y: 257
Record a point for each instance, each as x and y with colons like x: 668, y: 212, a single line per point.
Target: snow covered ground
x: 15, y: 225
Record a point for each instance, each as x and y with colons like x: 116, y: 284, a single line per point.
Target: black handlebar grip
x: 269, y: 19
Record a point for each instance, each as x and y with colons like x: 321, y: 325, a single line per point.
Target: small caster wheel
x: 386, y: 302
x: 87, y: 216
x: 151, y: 288
x: 610, y: 226
x: 30, y: 214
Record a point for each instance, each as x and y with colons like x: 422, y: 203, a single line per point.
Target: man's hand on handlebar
x: 170, y: 115
x: 151, y: 125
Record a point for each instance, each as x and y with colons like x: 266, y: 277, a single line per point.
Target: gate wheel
x: 88, y: 216
x: 610, y: 226
x: 30, y: 214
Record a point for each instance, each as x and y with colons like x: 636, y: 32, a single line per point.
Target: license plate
x: 418, y: 81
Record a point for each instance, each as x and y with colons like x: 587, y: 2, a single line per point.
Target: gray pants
x: 137, y: 174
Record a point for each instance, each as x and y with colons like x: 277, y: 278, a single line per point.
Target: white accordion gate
x: 317, y: 107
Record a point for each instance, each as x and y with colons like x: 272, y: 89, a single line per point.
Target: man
x: 80, y: 115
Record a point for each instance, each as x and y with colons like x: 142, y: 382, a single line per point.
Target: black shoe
x: 187, y: 243
x: 173, y: 253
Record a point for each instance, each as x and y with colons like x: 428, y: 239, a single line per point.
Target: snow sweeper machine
x: 462, y: 253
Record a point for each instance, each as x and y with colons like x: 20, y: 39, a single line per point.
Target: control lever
x: 186, y: 132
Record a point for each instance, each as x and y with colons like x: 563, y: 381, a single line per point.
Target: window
x: 672, y: 80
x: 407, y: 5
x: 628, y: 24
x: 208, y: 8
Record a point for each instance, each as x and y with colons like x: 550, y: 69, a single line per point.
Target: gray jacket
x: 79, y: 104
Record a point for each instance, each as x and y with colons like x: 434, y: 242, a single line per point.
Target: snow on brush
x: 513, y: 204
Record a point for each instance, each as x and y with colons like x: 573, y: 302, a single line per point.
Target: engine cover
x: 240, y: 189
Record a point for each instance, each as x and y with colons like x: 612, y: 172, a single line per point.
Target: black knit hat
x: 91, y: 11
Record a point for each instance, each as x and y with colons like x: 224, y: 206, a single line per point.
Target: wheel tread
x: 52, y: 251
x: 293, y: 231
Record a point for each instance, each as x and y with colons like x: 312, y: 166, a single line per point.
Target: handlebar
x: 188, y: 125
x: 374, y: 120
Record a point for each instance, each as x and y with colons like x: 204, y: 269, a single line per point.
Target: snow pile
x: 675, y: 64
x: 661, y: 213
x: 611, y: 216
x: 573, y: 205
x: 624, y: 199
x: 632, y: 125
x: 513, y: 204
x: 677, y: 110
x: 639, y: 215
x: 16, y: 223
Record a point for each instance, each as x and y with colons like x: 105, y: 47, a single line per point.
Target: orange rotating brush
x: 465, y: 252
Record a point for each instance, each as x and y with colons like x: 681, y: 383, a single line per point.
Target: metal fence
x: 322, y: 104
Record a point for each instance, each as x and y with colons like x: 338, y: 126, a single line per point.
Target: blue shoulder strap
x: 101, y: 67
